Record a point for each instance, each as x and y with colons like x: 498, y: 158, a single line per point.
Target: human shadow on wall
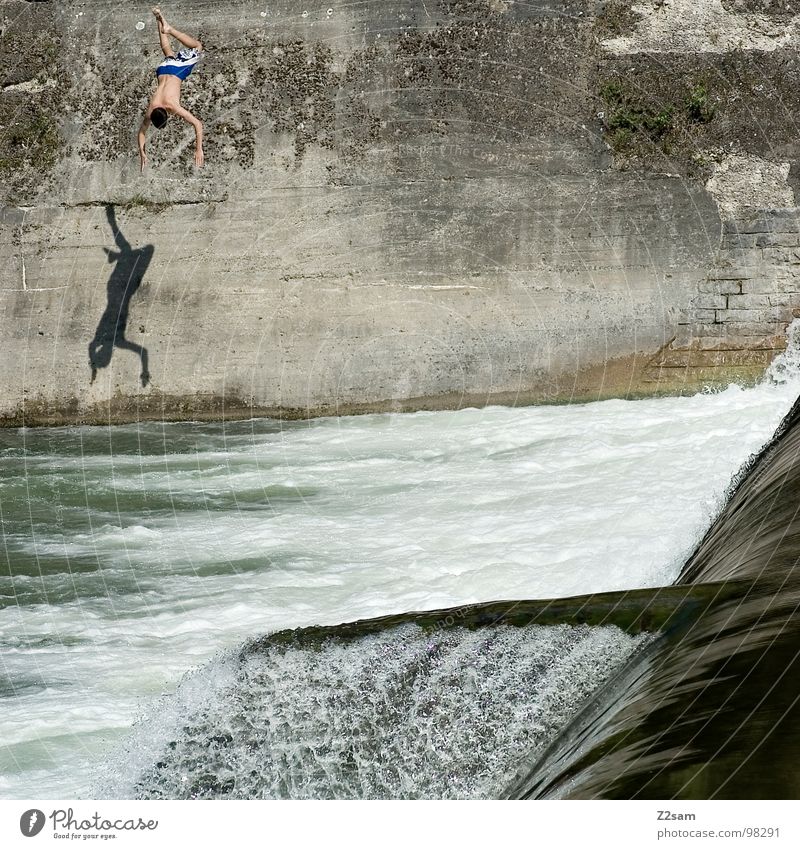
x: 129, y: 269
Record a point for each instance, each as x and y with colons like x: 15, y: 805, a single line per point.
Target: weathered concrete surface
x: 405, y: 205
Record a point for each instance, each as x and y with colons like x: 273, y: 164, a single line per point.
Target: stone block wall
x: 736, y: 323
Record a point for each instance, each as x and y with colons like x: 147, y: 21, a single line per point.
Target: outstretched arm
x: 141, y: 138
x: 198, y: 130
x: 120, y: 241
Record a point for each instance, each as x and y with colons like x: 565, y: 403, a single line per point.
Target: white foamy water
x: 403, y: 714
x: 134, y: 554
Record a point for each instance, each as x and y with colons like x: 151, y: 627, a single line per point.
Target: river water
x: 133, y: 554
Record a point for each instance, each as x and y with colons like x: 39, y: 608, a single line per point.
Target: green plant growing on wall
x: 627, y: 112
x: 698, y: 108
x: 636, y: 123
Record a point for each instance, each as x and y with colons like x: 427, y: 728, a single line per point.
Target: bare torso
x: 167, y: 94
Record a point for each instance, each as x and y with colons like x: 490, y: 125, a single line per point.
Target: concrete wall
x: 405, y: 205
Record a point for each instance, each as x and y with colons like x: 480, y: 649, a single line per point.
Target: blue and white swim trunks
x: 180, y: 66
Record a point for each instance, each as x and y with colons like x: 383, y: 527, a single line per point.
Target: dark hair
x: 159, y: 117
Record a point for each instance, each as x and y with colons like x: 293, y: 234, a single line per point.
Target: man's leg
x: 166, y: 30
x: 185, y: 40
x: 163, y: 33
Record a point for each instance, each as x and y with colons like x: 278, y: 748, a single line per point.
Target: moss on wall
x: 436, y: 77
x: 641, y: 127
x: 667, y: 111
x: 615, y: 18
x: 429, y: 76
x: 32, y: 86
x: 31, y: 141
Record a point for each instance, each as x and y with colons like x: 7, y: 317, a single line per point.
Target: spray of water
x: 400, y: 714
x: 785, y: 368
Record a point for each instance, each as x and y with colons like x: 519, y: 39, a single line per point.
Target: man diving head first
x: 166, y: 99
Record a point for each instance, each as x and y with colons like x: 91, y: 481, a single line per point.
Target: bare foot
x: 162, y: 24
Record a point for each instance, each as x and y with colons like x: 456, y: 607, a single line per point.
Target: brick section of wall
x: 737, y: 322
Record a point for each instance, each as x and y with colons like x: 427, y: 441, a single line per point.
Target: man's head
x: 159, y: 117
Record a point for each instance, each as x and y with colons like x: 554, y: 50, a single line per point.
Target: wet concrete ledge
x: 631, y: 378
x: 633, y: 611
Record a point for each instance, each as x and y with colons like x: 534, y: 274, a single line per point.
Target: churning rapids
x: 133, y: 554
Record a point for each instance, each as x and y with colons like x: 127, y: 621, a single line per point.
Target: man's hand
x: 142, y: 160
x: 198, y: 157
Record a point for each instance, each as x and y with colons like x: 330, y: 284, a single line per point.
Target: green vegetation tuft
x: 629, y: 113
x: 698, y: 108
x: 636, y: 125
